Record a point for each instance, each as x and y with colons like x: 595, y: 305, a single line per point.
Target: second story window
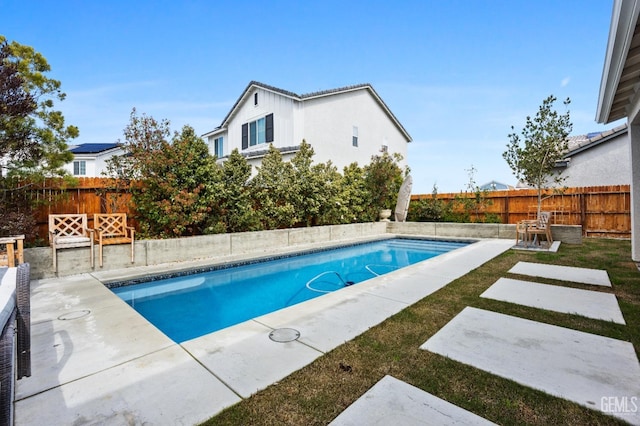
x: 354, y: 137
x: 255, y: 99
x: 218, y: 147
x: 257, y: 132
x: 79, y: 168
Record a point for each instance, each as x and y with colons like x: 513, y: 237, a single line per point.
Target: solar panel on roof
x: 93, y: 148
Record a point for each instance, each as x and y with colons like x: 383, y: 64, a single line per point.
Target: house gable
x: 266, y: 114
x: 255, y: 87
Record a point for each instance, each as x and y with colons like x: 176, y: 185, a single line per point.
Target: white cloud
x: 565, y: 81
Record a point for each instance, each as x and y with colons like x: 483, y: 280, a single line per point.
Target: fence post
x: 583, y: 213
x: 506, y: 208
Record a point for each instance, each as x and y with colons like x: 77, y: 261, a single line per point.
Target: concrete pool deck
x: 96, y: 360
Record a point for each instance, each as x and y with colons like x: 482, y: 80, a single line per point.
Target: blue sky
x: 457, y: 74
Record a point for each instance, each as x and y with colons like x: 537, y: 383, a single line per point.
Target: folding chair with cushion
x: 69, y: 231
x: 112, y: 229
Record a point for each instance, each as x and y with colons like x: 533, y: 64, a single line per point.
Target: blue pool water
x: 194, y: 305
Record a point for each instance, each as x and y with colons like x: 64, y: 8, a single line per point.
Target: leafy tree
x: 271, y: 192
x: 177, y: 183
x: 16, y: 103
x: 33, y: 135
x: 352, y: 198
x: 331, y: 210
x: 236, y: 204
x: 383, y: 178
x: 430, y: 209
x: 311, y: 187
x: 143, y: 136
x: 533, y: 154
x: 477, y: 202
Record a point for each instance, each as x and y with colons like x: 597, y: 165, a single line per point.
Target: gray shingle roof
x: 581, y: 142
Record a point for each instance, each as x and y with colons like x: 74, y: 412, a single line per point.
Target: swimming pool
x: 190, y: 306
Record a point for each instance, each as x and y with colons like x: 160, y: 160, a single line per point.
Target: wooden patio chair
x: 542, y: 227
x: 69, y: 231
x: 112, y: 229
x: 10, y: 255
x: 521, y: 231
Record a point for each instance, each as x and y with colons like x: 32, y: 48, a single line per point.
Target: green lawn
x: 316, y: 394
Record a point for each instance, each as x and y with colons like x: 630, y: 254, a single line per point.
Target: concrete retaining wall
x: 568, y: 234
x: 154, y: 252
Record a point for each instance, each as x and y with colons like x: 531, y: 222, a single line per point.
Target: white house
x: 344, y: 125
x: 89, y: 159
x: 598, y: 159
x: 620, y: 96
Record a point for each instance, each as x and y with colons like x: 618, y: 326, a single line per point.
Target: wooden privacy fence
x: 603, y: 211
x: 90, y: 195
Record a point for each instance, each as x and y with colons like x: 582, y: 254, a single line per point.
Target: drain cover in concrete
x: 283, y: 335
x: 564, y: 273
x: 594, y: 371
x: 591, y: 304
x: 394, y: 402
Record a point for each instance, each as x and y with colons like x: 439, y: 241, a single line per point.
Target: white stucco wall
x: 605, y: 164
x: 329, y: 123
x: 634, y: 154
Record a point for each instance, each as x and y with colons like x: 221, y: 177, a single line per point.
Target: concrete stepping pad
x: 597, y: 372
x: 588, y: 303
x: 563, y: 273
x: 394, y: 402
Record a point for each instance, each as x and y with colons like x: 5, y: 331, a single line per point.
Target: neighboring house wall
x: 494, y: 186
x: 599, y: 161
x: 90, y: 164
x: 328, y: 121
x: 81, y: 166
